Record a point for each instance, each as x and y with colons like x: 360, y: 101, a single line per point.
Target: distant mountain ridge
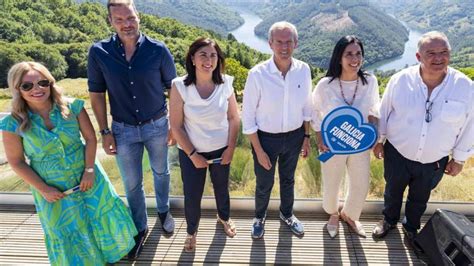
x: 321, y: 23
x: 201, y: 13
x: 59, y: 33
x: 454, y: 17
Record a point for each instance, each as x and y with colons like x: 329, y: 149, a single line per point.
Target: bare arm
x: 15, y: 156
x: 234, y: 120
x: 177, y: 127
x: 306, y: 148
x: 320, y: 142
x: 100, y: 111
x: 262, y: 156
x: 87, y: 131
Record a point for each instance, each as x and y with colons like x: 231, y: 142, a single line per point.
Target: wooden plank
x: 22, y: 242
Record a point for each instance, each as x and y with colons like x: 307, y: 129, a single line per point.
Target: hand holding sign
x: 344, y: 132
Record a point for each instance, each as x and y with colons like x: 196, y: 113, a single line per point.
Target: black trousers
x: 193, y: 186
x: 420, y: 179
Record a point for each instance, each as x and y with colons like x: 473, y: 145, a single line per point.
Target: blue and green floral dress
x: 84, y: 228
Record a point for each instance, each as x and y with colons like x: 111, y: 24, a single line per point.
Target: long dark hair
x: 191, y: 69
x: 335, y: 68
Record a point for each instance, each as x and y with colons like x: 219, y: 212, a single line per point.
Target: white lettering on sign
x: 350, y: 135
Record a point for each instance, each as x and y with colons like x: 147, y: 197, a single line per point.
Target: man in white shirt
x: 426, y: 118
x: 275, y: 115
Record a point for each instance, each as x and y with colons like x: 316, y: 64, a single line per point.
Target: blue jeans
x: 131, y: 141
x: 285, y: 149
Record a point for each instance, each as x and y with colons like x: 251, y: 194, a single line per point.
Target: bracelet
x: 307, y: 136
x: 191, y: 153
x: 105, y: 131
x: 89, y: 170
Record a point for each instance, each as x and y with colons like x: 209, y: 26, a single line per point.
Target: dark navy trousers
x: 420, y: 179
x: 193, y: 186
x: 284, y: 148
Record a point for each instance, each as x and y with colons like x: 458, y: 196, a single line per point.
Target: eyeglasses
x: 428, y: 107
x: 27, y: 86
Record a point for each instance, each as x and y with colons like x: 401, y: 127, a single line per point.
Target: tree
x: 9, y: 55
x: 235, y: 69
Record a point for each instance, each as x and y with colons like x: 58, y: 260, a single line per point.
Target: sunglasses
x: 428, y: 107
x: 27, y: 86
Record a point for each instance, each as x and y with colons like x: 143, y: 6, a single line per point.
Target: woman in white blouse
x: 345, y: 84
x: 204, y: 121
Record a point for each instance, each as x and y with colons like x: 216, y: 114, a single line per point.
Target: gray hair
x: 433, y: 35
x: 283, y: 25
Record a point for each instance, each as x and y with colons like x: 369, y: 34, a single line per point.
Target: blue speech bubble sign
x: 344, y: 132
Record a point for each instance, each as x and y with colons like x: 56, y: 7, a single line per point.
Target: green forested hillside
x: 454, y: 17
x: 321, y: 23
x: 202, y: 13
x: 59, y: 33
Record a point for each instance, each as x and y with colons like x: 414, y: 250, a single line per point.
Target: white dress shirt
x: 275, y: 104
x: 205, y: 120
x: 450, y: 130
x: 327, y: 96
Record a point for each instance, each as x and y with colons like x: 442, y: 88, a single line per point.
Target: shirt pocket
x: 453, y: 111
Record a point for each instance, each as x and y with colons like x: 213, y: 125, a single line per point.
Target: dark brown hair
x: 191, y: 69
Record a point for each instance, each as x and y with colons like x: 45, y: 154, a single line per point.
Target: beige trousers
x: 358, y: 172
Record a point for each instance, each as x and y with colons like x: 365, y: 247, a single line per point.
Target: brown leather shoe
x: 381, y: 229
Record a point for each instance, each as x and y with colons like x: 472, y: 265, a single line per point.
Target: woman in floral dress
x: 90, y: 226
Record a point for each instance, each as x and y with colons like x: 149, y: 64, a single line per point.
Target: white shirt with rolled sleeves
x: 327, y: 97
x: 450, y: 131
x: 275, y: 104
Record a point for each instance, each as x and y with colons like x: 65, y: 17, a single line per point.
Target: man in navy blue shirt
x: 134, y: 70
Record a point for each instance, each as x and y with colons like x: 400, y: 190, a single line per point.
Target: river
x: 245, y: 33
x: 408, y: 57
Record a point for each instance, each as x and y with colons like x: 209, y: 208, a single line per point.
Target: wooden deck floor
x: 21, y: 241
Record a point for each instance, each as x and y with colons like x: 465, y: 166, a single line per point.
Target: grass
x: 242, y: 177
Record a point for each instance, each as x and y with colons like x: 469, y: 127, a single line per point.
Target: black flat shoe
x: 139, y: 241
x: 410, y: 238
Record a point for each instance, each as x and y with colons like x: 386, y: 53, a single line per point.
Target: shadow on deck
x: 21, y: 241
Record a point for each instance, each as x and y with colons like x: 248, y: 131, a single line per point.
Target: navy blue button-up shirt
x: 135, y: 88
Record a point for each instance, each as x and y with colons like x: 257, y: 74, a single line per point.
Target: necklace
x: 353, y: 96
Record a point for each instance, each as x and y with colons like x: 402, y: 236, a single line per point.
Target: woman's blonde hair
x: 19, y: 105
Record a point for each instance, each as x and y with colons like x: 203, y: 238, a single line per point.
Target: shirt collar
x: 53, y: 110
x: 420, y: 80
x: 274, y: 68
x: 118, y: 42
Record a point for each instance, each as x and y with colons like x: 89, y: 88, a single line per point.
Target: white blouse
x: 205, y: 120
x: 327, y: 96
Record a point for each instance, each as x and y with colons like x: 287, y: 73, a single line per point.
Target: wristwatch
x: 89, y: 170
x: 459, y: 162
x: 105, y: 131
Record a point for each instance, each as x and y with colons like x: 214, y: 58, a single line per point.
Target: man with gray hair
x: 135, y: 71
x: 426, y: 130
x: 276, y: 111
